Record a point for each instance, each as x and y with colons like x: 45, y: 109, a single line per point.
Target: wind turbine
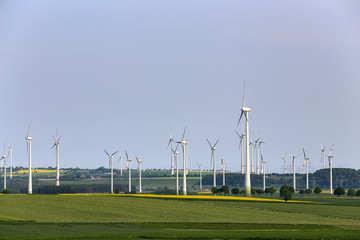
x: 252, y: 156
x: 184, y: 148
x: 57, y: 144
x: 112, y: 169
x: 200, y: 168
x: 176, y: 153
x: 120, y: 160
x: 28, y: 141
x: 4, y: 158
x: 263, y: 164
x: 257, y: 155
x: 323, y: 155
x: 306, y: 159
x: 330, y: 157
x: 128, y: 165
x: 223, y: 170
x: 294, y: 178
x: 245, y: 111
x: 10, y: 150
x: 139, y: 169
x: 261, y: 153
x: 284, y: 158
x: 213, y: 148
x: 241, y: 147
x: 171, y: 141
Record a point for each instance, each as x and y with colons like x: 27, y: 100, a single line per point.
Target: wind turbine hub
x: 213, y: 148
x: 245, y: 109
x: 28, y: 138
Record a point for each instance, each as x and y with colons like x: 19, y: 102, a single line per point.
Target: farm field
x: 118, y: 216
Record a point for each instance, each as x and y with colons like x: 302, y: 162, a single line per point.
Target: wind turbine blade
x: 28, y: 132
x: 137, y: 159
x: 53, y: 146
x: 244, y: 95
x: 216, y: 143
x: 331, y: 149
x: 114, y: 153
x: 209, y: 143
x: 238, y: 134
x: 168, y: 144
x: 183, y: 134
x: 127, y: 157
x: 304, y: 153
x: 53, y: 138
x: 107, y: 153
x: 59, y: 138
x: 240, y: 117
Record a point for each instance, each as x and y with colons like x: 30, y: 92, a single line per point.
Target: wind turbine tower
x: 323, y: 155
x: 330, y: 157
x: 213, y: 158
x: 200, y: 168
x: 284, y: 158
x: 57, y: 144
x: 245, y: 111
x: 171, y: 141
x: 241, y: 147
x: 261, y: 153
x: 184, y: 148
x: 4, y: 158
x: 10, y: 150
x: 257, y: 155
x: 112, y: 169
x: 223, y: 170
x: 120, y: 160
x: 128, y: 166
x: 28, y: 141
x: 263, y: 164
x: 306, y: 159
x: 294, y: 170
x: 139, y: 167
x: 176, y: 153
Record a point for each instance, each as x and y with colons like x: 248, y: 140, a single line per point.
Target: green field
x: 114, y: 217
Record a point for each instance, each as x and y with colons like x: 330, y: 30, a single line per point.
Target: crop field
x: 108, y: 216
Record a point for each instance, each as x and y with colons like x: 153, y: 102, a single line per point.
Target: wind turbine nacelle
x: 245, y: 109
x: 28, y: 138
x: 3, y: 156
x: 213, y: 148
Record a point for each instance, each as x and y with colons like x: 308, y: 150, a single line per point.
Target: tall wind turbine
x: 184, y: 148
x: 128, y: 166
x: 139, y: 169
x: 330, y: 157
x: 213, y: 148
x: 28, y: 141
x: 57, y: 144
x: 306, y: 159
x: 263, y: 164
x: 200, y: 169
x: 284, y: 158
x: 261, y: 152
x: 294, y: 174
x: 323, y: 155
x: 257, y: 155
x: 176, y: 153
x: 120, y: 160
x: 252, y: 156
x: 245, y: 111
x: 10, y: 150
x: 171, y: 141
x: 4, y: 158
x: 241, y: 147
x: 112, y: 169
x: 223, y: 170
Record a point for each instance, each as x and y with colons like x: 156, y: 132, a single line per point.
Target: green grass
x: 114, y: 217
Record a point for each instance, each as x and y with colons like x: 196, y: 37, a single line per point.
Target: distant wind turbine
x: 120, y: 160
x: 213, y: 148
x: 284, y: 158
x: 306, y: 159
x: 245, y: 111
x: 112, y: 169
x: 10, y: 150
x: 241, y: 147
x: 294, y: 170
x: 200, y: 169
x: 176, y: 153
x: 28, y: 141
x: 184, y: 148
x: 257, y: 155
x: 4, y: 158
x: 223, y: 170
x: 263, y: 164
x: 323, y: 155
x: 330, y: 157
x: 57, y: 144
x: 128, y: 166
x: 139, y: 169
x: 171, y: 142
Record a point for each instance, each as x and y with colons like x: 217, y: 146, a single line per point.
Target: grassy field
x: 119, y: 216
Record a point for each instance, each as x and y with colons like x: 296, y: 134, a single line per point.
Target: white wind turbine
x: 223, y: 170
x: 213, y: 148
x: 241, y: 147
x: 28, y: 141
x: 261, y: 153
x: 245, y: 111
x: 120, y: 160
x: 112, y: 169
x: 57, y: 144
x: 330, y: 157
x: 252, y: 156
x: 4, y: 158
x: 306, y: 163
x: 10, y: 150
x: 257, y: 155
x: 200, y: 169
x: 171, y: 141
x: 323, y: 155
x: 184, y: 148
x: 284, y: 158
x: 263, y: 164
x: 176, y: 153
x: 128, y: 166
x: 139, y: 169
x: 294, y: 174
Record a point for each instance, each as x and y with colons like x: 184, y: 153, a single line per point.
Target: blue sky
x: 120, y: 74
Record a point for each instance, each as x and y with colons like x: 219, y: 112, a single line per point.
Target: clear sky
x: 119, y: 74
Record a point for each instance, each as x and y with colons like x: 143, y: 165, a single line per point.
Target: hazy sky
x: 119, y: 74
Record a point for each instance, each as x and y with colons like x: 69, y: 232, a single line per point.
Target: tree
x: 259, y: 191
x: 272, y: 190
x: 291, y: 189
x: 351, y: 192
x: 253, y: 191
x: 287, y: 195
x: 235, y: 191
x: 267, y: 191
x: 357, y: 193
x: 308, y: 191
x: 302, y: 192
x: 214, y: 190
x: 117, y: 190
x: 317, y: 190
x: 225, y: 189
x: 283, y: 189
x: 242, y: 191
x: 339, y: 191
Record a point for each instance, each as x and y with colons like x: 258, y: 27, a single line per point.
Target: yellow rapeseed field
x: 35, y: 171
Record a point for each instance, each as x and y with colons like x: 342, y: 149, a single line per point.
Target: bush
x: 6, y: 191
x: 214, y: 190
x: 235, y: 190
x: 308, y: 191
x: 117, y: 190
x: 283, y: 189
x: 339, y: 191
x: 351, y: 192
x: 357, y: 193
x: 317, y: 190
